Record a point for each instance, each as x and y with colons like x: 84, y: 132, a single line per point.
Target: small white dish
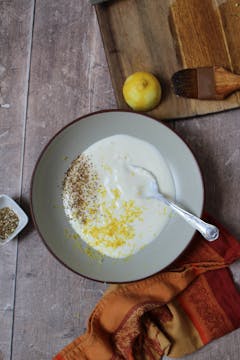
x: 6, y: 201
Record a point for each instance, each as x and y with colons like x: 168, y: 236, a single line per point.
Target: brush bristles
x: 185, y: 83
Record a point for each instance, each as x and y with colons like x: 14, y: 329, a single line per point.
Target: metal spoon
x: 208, y: 231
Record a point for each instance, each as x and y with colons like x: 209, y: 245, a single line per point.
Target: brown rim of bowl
x: 43, y: 151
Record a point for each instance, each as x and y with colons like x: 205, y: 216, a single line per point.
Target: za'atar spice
x: 8, y: 222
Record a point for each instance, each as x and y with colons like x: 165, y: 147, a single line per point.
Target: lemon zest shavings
x: 113, y: 230
x: 117, y: 193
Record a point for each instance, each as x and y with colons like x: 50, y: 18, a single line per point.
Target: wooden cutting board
x: 164, y: 36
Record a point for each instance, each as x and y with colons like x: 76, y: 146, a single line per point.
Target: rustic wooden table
x: 52, y: 70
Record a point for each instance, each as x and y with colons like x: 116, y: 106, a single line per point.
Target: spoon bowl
x: 209, y: 232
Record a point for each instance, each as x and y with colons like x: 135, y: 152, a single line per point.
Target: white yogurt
x: 121, y: 222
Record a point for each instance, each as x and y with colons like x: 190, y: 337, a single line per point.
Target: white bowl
x: 6, y: 201
x: 50, y: 218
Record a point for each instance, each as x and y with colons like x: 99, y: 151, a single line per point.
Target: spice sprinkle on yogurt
x: 102, y: 195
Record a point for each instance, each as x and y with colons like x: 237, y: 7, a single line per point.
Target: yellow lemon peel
x: 115, y: 230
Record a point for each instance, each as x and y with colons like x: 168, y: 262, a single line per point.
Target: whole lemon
x: 142, y: 91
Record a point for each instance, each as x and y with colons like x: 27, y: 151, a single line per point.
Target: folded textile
x: 174, y: 312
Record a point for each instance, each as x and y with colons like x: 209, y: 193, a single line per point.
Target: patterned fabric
x: 174, y: 312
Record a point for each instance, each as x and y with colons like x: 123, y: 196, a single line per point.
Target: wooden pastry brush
x: 206, y: 83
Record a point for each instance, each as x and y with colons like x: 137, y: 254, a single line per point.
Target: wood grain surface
x: 15, y: 44
x: 165, y: 36
x: 69, y: 78
x: 52, y: 70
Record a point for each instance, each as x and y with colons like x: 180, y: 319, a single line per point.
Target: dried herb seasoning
x: 80, y: 186
x: 8, y: 222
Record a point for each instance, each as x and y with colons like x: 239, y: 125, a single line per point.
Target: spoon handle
x: 208, y: 231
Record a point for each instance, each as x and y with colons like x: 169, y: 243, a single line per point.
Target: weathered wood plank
x: 69, y: 77
x: 215, y: 143
x: 15, y: 45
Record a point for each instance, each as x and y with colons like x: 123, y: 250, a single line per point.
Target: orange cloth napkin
x: 172, y: 313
